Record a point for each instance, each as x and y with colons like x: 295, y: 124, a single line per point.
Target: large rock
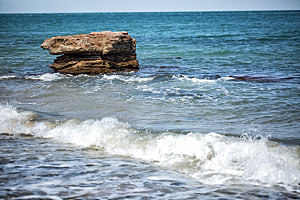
x: 94, y: 53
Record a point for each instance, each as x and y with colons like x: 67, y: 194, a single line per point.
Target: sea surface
x: 213, y: 112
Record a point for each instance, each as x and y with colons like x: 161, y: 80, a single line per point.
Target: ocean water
x: 213, y: 112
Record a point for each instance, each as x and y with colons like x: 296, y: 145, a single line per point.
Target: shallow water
x: 212, y: 113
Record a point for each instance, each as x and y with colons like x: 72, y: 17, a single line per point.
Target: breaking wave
x: 205, y: 79
x: 42, y: 77
x: 211, y: 158
x: 128, y: 79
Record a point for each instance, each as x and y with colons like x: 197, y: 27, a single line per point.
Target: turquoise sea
x: 213, y: 112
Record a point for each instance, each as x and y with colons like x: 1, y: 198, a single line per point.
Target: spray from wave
x: 211, y: 158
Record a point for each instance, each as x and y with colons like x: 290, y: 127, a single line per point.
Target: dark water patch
x: 287, y: 141
x: 173, y: 58
x: 169, y: 67
x: 162, y: 77
x: 220, y: 53
x: 263, y: 78
x: 4, y: 161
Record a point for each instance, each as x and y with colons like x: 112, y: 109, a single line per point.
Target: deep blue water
x: 215, y: 104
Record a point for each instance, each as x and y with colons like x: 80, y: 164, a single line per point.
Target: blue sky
x: 49, y: 6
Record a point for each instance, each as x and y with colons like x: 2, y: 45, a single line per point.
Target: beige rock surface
x: 94, y: 53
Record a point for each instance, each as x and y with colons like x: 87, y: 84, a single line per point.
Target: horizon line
x: 78, y: 12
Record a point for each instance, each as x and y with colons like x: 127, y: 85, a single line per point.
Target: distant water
x: 213, y: 112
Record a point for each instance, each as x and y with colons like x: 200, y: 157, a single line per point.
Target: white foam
x: 211, y: 158
x: 194, y: 80
x: 12, y: 121
x: 47, y: 77
x: 226, y: 78
x: 128, y: 78
x: 42, y: 77
x: 254, y: 160
x: 8, y: 77
x: 201, y: 80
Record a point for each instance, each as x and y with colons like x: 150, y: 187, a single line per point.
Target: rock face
x: 94, y: 53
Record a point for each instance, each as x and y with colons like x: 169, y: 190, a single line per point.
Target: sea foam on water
x: 211, y: 158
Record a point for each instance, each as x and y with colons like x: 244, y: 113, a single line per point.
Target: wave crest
x: 211, y: 158
x: 42, y: 77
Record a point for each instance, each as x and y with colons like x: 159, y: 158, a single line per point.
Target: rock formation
x: 94, y: 53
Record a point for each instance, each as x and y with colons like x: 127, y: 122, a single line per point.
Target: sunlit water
x: 212, y: 113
